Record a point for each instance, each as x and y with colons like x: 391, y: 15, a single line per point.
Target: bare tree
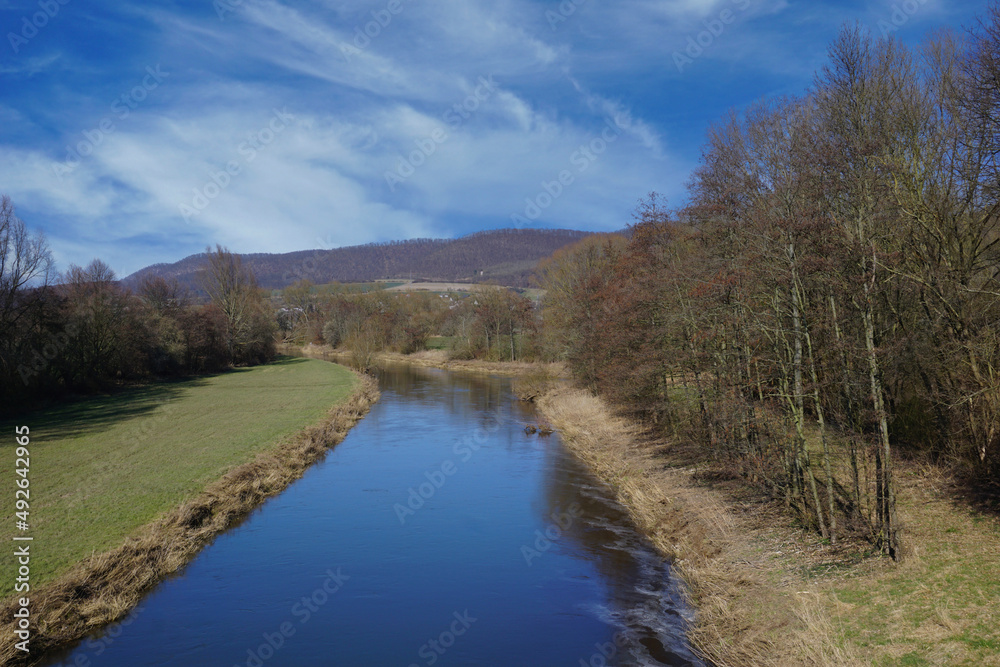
x: 565, y: 277
x: 163, y: 296
x: 25, y: 266
x: 109, y: 330
x: 863, y: 98
x: 25, y: 262
x: 232, y: 286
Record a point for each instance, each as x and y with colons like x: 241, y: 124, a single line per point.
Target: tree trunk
x: 885, y: 497
x: 821, y: 421
x: 798, y: 403
x: 849, y: 396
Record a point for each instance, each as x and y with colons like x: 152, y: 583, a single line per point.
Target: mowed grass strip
x: 102, y: 467
x: 440, y: 342
x: 941, y: 605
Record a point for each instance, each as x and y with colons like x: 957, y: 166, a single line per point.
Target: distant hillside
x: 507, y: 256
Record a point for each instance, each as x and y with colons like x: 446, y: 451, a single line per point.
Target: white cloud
x: 622, y: 116
x: 357, y: 113
x: 29, y: 66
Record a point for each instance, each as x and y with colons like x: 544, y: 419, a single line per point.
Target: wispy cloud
x: 363, y: 88
x: 28, y: 66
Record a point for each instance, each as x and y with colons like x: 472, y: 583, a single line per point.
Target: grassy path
x: 941, y: 605
x: 102, y: 467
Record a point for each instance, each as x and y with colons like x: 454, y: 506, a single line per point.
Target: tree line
x: 488, y: 322
x: 83, y: 332
x: 829, y: 298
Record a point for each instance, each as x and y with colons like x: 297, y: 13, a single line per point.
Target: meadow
x: 103, y: 466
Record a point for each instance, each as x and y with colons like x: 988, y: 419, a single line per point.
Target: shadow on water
x: 645, y: 603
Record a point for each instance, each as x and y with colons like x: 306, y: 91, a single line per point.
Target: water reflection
x: 507, y: 528
x: 644, y: 603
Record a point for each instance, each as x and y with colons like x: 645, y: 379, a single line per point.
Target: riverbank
x: 767, y: 592
x: 440, y: 359
x: 741, y: 620
x: 236, y: 467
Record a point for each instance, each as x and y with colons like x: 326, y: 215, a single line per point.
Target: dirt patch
x: 103, y: 588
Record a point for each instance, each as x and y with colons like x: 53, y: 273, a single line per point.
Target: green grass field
x: 104, y: 466
x: 357, y: 287
x: 440, y: 342
x: 939, y: 606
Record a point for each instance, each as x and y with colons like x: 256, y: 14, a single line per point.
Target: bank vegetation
x: 100, y: 588
x: 828, y: 302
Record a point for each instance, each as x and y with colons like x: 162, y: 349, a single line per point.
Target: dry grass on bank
x: 747, y: 610
x: 767, y: 592
x: 102, y: 588
x: 440, y: 359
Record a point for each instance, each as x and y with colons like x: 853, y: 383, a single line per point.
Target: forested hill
x: 507, y: 256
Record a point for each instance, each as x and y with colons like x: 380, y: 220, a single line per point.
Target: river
x: 439, y: 533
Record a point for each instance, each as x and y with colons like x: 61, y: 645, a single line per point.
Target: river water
x: 437, y: 533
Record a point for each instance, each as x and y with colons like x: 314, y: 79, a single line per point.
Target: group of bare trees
x: 249, y: 319
x: 494, y: 323
x: 831, y: 293
x: 83, y: 331
x: 489, y: 322
x: 363, y: 321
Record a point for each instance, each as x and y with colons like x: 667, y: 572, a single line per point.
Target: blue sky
x: 142, y: 132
